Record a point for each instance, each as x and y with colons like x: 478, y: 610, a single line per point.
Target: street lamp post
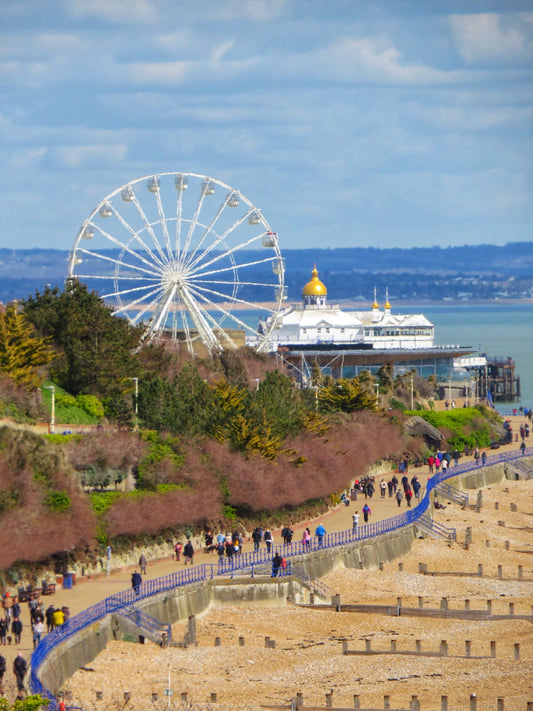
x: 412, y: 386
x: 376, y: 385
x: 53, y: 409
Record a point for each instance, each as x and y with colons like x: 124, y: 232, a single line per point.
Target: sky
x: 349, y: 123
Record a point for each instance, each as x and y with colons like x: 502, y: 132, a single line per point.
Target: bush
x: 464, y: 427
x: 91, y: 405
x: 58, y: 501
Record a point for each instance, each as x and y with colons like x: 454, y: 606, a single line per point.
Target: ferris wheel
x: 186, y: 255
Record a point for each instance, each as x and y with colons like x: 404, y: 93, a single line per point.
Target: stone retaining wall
x: 178, y: 604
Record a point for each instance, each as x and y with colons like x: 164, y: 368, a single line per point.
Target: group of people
x: 11, y: 627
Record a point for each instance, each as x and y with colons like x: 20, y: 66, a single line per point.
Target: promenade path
x: 89, y: 592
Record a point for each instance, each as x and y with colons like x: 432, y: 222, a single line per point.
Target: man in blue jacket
x: 320, y: 532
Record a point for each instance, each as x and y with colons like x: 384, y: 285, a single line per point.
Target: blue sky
x: 349, y: 123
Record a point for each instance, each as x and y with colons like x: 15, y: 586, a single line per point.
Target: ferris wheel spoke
x: 133, y: 290
x: 179, y: 212
x: 149, y: 228
x: 163, y: 223
x: 140, y: 300
x: 220, y: 239
x: 198, y: 317
x: 215, y: 324
x: 208, y: 229
x: 161, y: 312
x: 229, y: 314
x: 233, y: 250
x: 119, y: 262
x: 231, y: 267
x: 192, y: 227
x: 187, y: 332
x: 234, y: 300
x: 231, y: 283
x: 136, y: 236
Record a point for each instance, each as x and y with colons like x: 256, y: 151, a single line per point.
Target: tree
x: 96, y: 346
x: 22, y: 352
x: 346, y: 395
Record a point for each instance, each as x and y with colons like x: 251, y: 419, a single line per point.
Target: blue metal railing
x: 429, y: 523
x: 146, y: 622
x: 452, y: 493
x: 229, y: 566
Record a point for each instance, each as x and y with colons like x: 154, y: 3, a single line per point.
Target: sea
x: 497, y: 329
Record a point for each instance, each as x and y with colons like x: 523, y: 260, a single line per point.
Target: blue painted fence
x: 227, y: 567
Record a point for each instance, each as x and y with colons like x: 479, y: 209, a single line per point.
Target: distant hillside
x: 481, y: 272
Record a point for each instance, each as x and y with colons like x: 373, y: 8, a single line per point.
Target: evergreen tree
x: 96, y: 346
x: 346, y: 395
x: 22, y: 352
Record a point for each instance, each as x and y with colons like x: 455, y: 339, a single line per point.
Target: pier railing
x: 228, y: 567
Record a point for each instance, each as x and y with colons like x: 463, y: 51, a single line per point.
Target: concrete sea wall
x: 194, y: 599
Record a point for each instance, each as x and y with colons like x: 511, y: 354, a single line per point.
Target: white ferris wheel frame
x: 179, y: 272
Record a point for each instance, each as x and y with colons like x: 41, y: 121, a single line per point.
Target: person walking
x: 408, y: 497
x: 49, y: 616
x: 142, y: 564
x: 306, y: 539
x: 3, y: 668
x: 399, y: 497
x: 16, y: 628
x: 366, y: 512
x: 320, y: 532
x: 257, y: 535
x: 355, y: 520
x: 188, y: 552
x: 287, y: 534
x: 136, y: 581
x: 38, y: 629
x: 383, y: 488
x: 20, y: 667
x: 268, y: 539
x: 276, y: 565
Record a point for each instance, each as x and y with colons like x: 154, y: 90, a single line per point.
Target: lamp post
x: 412, y: 386
x: 376, y: 385
x: 53, y: 409
x: 136, y: 406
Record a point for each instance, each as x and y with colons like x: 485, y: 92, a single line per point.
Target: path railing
x: 226, y: 567
x: 437, y: 528
x: 452, y: 493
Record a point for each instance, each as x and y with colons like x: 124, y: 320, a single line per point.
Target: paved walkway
x: 89, y: 592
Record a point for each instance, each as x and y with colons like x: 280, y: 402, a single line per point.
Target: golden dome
x: 315, y: 287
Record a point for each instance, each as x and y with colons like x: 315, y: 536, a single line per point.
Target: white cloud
x: 221, y: 50
x: 370, y: 60
x: 158, y: 72
x: 116, y: 11
x: 87, y: 156
x: 486, y: 36
x: 256, y: 10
